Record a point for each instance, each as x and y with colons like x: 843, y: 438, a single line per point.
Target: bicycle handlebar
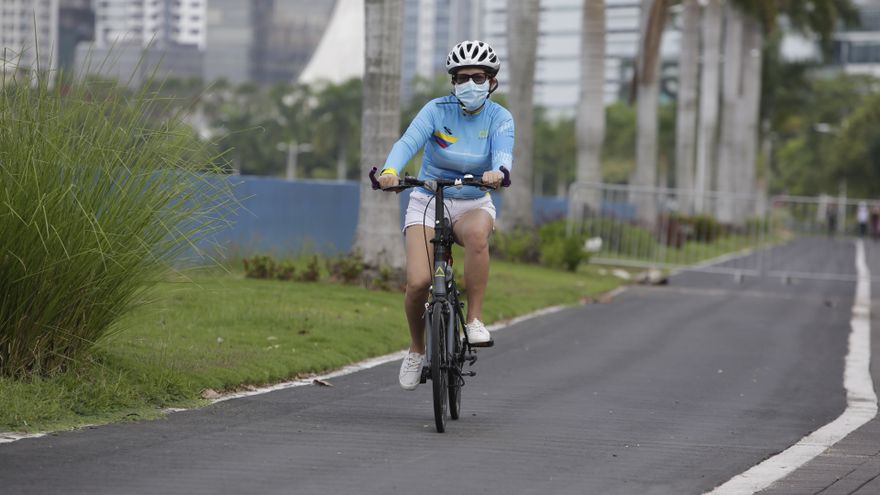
x: 408, y: 182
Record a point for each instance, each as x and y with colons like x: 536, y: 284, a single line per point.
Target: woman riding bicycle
x: 463, y: 133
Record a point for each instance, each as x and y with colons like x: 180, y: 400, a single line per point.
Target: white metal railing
x: 739, y: 234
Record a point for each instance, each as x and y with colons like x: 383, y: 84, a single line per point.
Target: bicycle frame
x: 444, y: 294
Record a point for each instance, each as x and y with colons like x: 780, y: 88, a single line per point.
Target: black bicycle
x: 447, y: 346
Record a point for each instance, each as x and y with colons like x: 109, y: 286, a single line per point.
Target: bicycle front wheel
x: 439, y: 358
x: 454, y: 344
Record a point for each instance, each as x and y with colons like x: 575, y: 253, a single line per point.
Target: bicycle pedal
x: 471, y: 359
x: 484, y: 344
x: 424, y: 377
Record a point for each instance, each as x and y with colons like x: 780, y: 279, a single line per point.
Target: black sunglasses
x: 478, y: 78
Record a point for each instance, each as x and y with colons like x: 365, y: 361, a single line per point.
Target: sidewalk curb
x: 9, y: 437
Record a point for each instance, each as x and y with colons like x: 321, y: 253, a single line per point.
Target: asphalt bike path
x: 851, y: 466
x: 673, y: 390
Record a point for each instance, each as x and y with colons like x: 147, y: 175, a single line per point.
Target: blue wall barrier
x: 285, y: 217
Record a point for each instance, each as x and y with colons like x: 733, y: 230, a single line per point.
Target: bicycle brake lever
x: 505, y: 182
x: 375, y: 182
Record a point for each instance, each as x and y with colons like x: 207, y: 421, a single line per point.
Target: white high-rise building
x: 272, y: 41
x: 23, y: 21
x: 431, y: 28
x: 143, y: 22
x: 557, y: 69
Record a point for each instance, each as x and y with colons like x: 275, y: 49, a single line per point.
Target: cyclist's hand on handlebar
x: 388, y: 180
x: 493, y: 178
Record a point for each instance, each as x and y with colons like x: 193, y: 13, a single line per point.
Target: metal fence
x: 738, y: 234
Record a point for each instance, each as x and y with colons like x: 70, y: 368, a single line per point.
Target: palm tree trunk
x: 648, y: 88
x: 522, y: 44
x: 752, y: 74
x: 686, y: 123
x: 591, y: 110
x: 378, y: 236
x: 731, y: 116
x: 709, y: 95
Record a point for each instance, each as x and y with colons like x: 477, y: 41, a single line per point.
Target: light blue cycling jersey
x: 456, y: 143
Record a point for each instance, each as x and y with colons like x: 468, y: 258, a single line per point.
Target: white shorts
x: 419, y: 212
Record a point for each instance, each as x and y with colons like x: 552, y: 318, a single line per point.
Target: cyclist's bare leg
x: 472, y: 230
x: 419, y: 260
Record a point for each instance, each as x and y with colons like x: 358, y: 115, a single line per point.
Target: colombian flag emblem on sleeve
x: 444, y: 140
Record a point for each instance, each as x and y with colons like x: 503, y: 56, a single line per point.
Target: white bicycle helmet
x: 472, y: 54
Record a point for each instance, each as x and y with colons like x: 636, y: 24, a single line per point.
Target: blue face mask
x: 472, y: 95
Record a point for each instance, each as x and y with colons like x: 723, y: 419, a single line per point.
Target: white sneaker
x: 411, y: 370
x: 477, y: 333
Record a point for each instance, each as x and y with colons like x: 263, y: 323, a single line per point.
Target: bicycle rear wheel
x: 439, y: 319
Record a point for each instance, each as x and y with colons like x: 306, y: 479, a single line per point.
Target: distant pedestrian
x: 831, y: 218
x: 875, y: 222
x: 862, y: 217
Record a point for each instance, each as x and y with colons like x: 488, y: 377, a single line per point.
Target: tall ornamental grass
x: 101, y: 191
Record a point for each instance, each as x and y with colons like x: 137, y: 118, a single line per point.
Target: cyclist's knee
x: 475, y: 240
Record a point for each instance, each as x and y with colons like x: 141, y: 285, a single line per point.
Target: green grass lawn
x: 223, y: 332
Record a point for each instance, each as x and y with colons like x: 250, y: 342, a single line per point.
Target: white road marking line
x: 9, y: 437
x: 372, y: 363
x: 861, y: 400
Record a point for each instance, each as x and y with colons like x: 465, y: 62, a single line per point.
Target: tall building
x: 430, y: 29
x: 139, y: 40
x: 143, y: 22
x: 76, y: 23
x: 23, y: 21
x: 264, y: 41
x: 557, y: 68
x: 854, y: 50
x: 857, y: 50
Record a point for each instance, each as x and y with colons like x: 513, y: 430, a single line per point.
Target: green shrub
x: 388, y: 279
x: 346, y: 269
x: 559, y: 250
x: 566, y: 253
x: 705, y: 228
x: 259, y: 266
x: 96, y: 202
x: 520, y: 246
x: 312, y: 271
x: 285, y: 270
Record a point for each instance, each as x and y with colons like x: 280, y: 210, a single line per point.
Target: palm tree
x: 748, y: 20
x: 732, y: 115
x: 647, y: 90
x: 753, y: 50
x: 686, y: 123
x: 709, y: 91
x: 377, y: 237
x: 522, y: 45
x: 591, y: 108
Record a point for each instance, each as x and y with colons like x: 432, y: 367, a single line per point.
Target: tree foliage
x: 816, y: 127
x: 856, y: 151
